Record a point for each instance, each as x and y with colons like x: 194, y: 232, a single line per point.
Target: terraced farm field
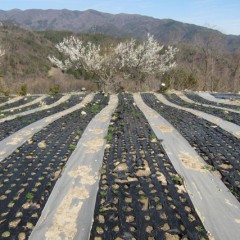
x: 127, y: 166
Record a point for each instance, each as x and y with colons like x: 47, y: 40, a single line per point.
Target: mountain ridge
x: 167, y: 31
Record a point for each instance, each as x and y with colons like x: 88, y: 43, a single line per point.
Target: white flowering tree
x: 128, y: 59
x: 138, y: 61
x: 87, y: 56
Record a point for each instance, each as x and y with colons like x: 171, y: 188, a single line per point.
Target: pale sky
x: 223, y: 15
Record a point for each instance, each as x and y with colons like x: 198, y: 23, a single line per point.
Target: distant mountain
x: 166, y: 31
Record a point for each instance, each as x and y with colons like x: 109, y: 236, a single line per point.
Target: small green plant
x: 199, y: 228
x: 176, y: 179
x: 153, y: 137
x: 229, y: 118
x: 95, y: 109
x: 103, y: 209
x: 29, y: 196
x: 72, y: 147
x: 103, y: 193
x: 23, y: 90
x: 143, y: 197
x: 54, y: 89
x: 108, y: 137
x: 111, y: 129
x: 79, y: 132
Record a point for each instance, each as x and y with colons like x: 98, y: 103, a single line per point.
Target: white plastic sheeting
x: 69, y: 210
x: 218, y: 209
x: 11, y: 143
x: 227, y: 126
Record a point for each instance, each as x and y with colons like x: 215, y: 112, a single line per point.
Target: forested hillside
x: 25, y: 61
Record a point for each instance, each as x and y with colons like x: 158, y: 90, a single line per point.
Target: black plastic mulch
x: 18, y: 103
x: 226, y: 95
x: 201, y: 100
x: 140, y: 195
x: 4, y: 99
x: 9, y: 127
x: 47, y: 101
x: 217, y: 147
x: 28, y: 176
x: 226, y: 115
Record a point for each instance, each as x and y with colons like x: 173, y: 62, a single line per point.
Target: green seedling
x: 111, y: 129
x: 103, y: 209
x: 29, y: 196
x: 178, y: 180
x: 229, y: 118
x: 72, y: 147
x: 152, y: 136
x: 143, y: 197
x: 108, y: 137
x: 199, y: 228
x: 103, y: 193
x: 95, y: 109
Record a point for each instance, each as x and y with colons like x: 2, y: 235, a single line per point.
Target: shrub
x: 23, y: 90
x: 54, y: 89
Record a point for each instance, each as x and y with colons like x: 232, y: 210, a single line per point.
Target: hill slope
x: 26, y: 61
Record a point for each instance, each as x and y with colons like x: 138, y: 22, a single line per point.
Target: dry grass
x: 67, y: 83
